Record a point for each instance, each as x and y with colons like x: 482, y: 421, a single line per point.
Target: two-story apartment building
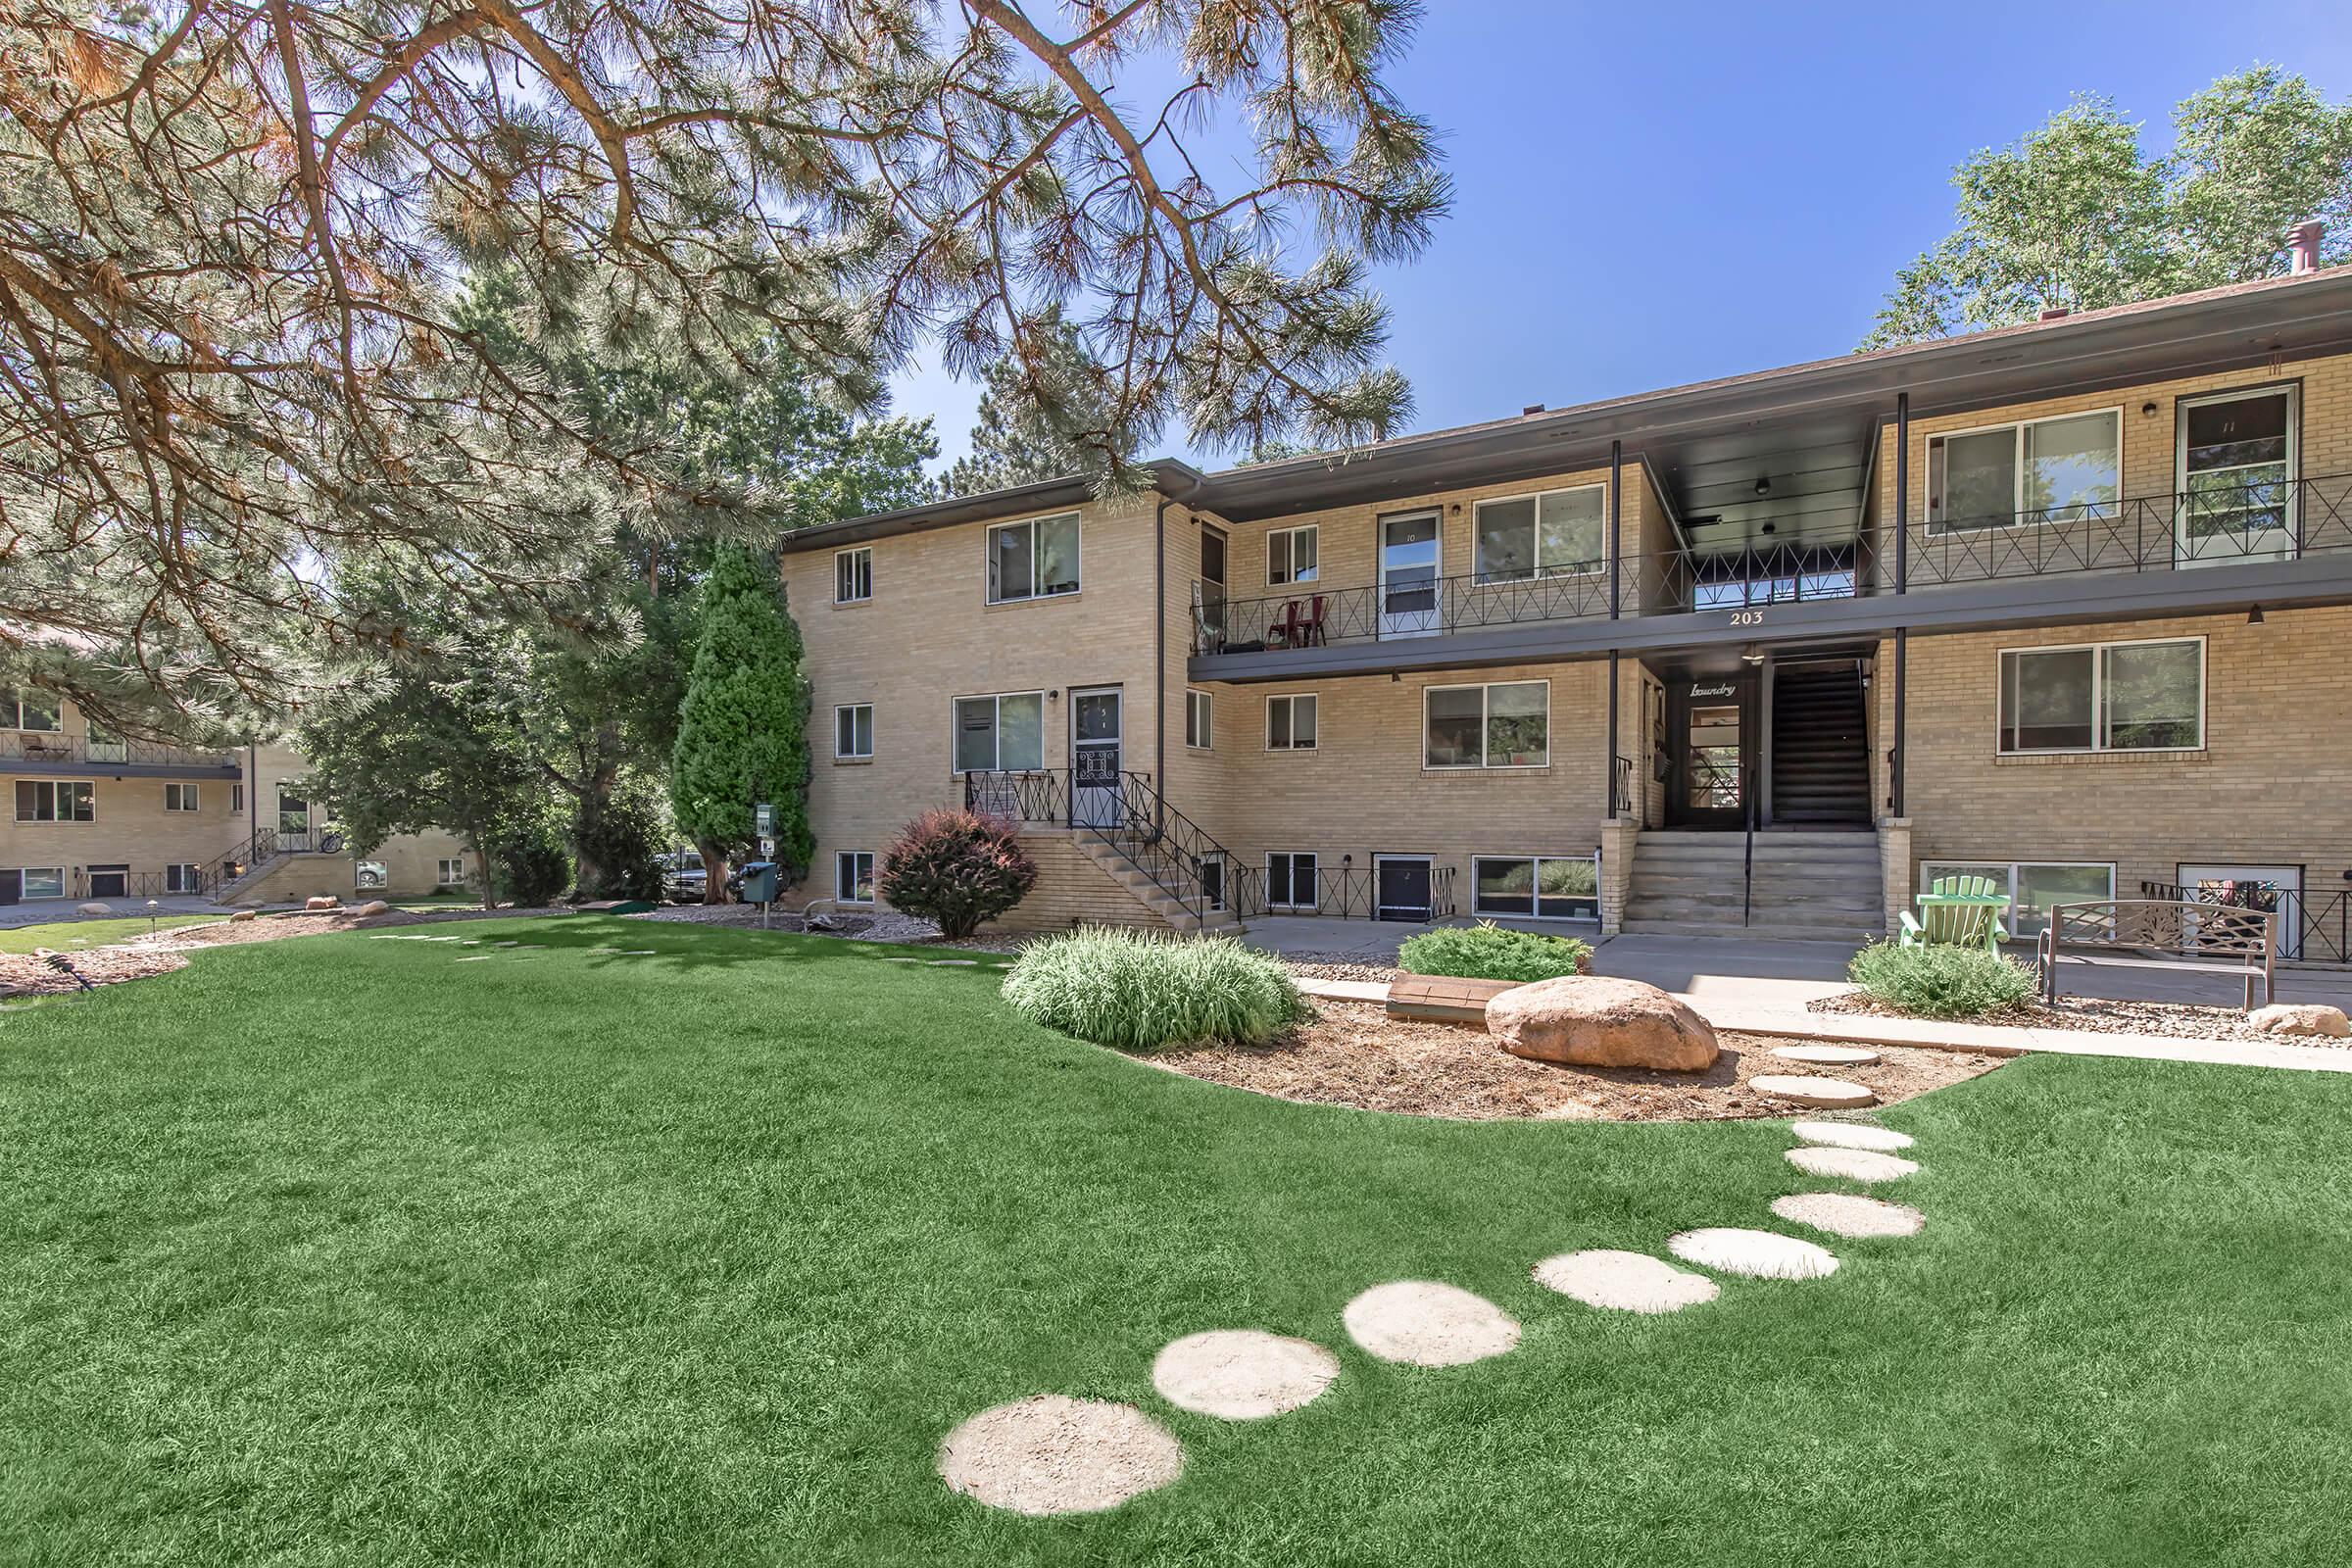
x: 95, y: 816
x: 2064, y: 604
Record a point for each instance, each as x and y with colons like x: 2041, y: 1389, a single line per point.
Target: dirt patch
x: 2179, y: 1020
x: 23, y: 974
x: 1354, y: 1054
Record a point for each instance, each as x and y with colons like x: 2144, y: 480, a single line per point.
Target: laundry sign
x: 1727, y: 689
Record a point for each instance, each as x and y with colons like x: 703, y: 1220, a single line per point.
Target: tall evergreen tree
x: 743, y: 727
x: 1044, y: 416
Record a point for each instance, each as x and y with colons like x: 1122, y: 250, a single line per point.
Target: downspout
x: 1902, y: 585
x: 1160, y: 648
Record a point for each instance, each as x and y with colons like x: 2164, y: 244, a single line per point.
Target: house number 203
x: 1748, y: 617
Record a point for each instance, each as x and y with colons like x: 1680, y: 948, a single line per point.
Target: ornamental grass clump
x: 1489, y: 951
x: 1140, y: 992
x: 1937, y: 981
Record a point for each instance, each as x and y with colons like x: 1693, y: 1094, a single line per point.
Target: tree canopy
x: 1041, y: 418
x: 2079, y: 215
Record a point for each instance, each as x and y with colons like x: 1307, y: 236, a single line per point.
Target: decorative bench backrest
x: 2190, y: 928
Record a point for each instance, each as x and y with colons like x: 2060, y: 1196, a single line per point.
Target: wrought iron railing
x: 1621, y: 785
x: 1343, y: 892
x: 99, y: 750
x: 2311, y: 931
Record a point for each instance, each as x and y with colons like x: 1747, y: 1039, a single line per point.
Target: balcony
x: 2210, y: 545
x: 45, y: 751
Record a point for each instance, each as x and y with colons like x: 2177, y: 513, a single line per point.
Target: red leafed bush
x: 957, y: 869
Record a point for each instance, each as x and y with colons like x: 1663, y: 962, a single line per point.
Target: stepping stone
x: 1852, y: 1135
x: 1764, y: 1255
x: 470, y: 942
x: 1854, y: 1164
x: 900, y: 958
x: 1630, y: 1282
x: 1845, y: 1214
x: 1833, y: 1093
x: 1049, y: 1455
x: 478, y: 958
x: 1241, y: 1374
x: 637, y: 952
x: 1424, y: 1323
x: 505, y: 944
x: 1828, y: 1056
x: 954, y: 963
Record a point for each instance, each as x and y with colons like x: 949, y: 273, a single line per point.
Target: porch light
x: 2254, y: 617
x: 1763, y: 485
x: 1752, y: 654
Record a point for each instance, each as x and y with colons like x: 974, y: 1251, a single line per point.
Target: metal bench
x: 2161, y: 934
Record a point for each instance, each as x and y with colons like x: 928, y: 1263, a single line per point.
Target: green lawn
x: 341, y: 1252
x: 66, y: 935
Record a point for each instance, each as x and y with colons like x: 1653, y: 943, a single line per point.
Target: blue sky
x: 1653, y: 194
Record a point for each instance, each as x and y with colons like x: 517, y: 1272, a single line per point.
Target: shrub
x: 529, y: 864
x: 1940, y: 981
x: 955, y: 870
x: 1489, y: 952
x: 1140, y: 992
x: 620, y: 840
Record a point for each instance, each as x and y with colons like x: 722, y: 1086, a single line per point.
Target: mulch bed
x: 22, y: 974
x: 1354, y: 1054
x: 2179, y: 1020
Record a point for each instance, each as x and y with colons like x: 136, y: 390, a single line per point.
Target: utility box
x: 758, y: 881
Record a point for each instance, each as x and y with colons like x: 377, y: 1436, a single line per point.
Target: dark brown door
x: 1710, y: 723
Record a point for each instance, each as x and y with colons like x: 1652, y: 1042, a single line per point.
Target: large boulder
x: 1594, y: 1021
x: 2300, y: 1018
x: 372, y: 906
x: 93, y: 908
x: 326, y: 900
x: 236, y: 915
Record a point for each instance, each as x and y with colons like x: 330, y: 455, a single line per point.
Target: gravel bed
x: 747, y: 915
x: 2090, y: 1014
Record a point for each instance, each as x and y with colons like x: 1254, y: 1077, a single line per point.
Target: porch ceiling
x: 1814, y: 471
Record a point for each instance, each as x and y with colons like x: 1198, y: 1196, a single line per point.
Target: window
x: 1488, y: 726
x: 32, y: 710
x: 2058, y: 470
x: 1290, y: 881
x: 110, y: 881
x: 1001, y: 734
x: 1200, y: 714
x: 2104, y: 697
x: 39, y: 800
x: 293, y: 813
x: 44, y: 882
x: 1033, y: 560
x: 185, y: 878
x: 1291, y: 556
x: 1548, y: 535
x: 854, y: 730
x: 2032, y: 886
x: 449, y: 872
x: 2237, y: 467
x: 237, y: 797
x: 853, y: 576
x: 853, y: 877
x: 1537, y: 887
x: 179, y: 798
x: 1291, y: 723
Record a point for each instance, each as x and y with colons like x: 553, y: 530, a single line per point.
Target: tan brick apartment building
x: 93, y: 816
x: 2065, y: 602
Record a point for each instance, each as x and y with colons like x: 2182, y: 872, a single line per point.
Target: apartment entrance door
x: 1710, y: 771
x: 1096, y: 798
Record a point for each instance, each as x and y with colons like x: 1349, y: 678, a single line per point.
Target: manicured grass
x: 66, y: 935
x: 341, y: 1252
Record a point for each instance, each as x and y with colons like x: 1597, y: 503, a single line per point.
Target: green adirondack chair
x: 1958, y: 911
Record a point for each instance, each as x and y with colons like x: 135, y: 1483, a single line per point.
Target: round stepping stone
x: 1852, y: 1135
x: 1854, y: 1164
x: 1049, y: 1455
x: 1424, y: 1323
x: 1824, y: 1092
x: 1765, y: 1255
x: 1241, y: 1374
x: 1845, y: 1214
x: 954, y: 963
x: 1827, y: 1056
x: 1630, y: 1282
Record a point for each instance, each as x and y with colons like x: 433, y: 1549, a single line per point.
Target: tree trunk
x: 481, y: 863
x: 714, y: 872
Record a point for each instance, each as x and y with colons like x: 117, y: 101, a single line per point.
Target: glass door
x: 2236, y: 482
x: 1401, y: 887
x: 1408, y: 576
x: 1708, y: 773
x: 2275, y: 888
x: 1095, y: 797
x: 293, y: 822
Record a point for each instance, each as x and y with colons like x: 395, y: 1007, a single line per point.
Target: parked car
x: 683, y: 879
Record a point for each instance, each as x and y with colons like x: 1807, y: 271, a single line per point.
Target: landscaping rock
x: 1852, y: 1135
x: 1241, y: 1374
x: 1827, y: 1093
x: 1828, y: 1056
x: 1594, y: 1021
x: 240, y: 916
x: 1049, y: 1455
x: 1848, y: 1215
x: 1763, y: 1254
x: 2300, y: 1018
x: 1854, y: 1164
x: 324, y: 901
x: 1426, y: 1324
x: 1628, y: 1282
x: 372, y: 906
x: 93, y: 908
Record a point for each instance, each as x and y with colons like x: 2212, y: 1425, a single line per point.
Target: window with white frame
x: 179, y: 798
x: 1503, y: 725
x: 1290, y: 881
x: 1556, y: 533
x: 2104, y: 697
x: 854, y: 730
x: 2032, y: 886
x: 1291, y: 556
x: 1200, y: 720
x: 32, y: 710
x: 853, y: 877
x: 1004, y: 733
x: 40, y: 800
x: 852, y: 575
x: 186, y: 877
x: 1536, y: 887
x: 449, y: 872
x: 43, y: 882
x: 1290, y: 723
x: 1033, y: 560
x: 2059, y: 469
x: 237, y: 797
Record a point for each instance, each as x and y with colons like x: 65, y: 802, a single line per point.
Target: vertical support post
x: 1902, y: 492
x: 1608, y: 761
x: 1902, y: 650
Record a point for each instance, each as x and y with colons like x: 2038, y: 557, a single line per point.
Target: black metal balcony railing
x: 99, y: 751
x: 2263, y: 520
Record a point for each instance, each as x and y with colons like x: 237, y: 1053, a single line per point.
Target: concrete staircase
x: 1809, y: 885
x: 1169, y: 911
